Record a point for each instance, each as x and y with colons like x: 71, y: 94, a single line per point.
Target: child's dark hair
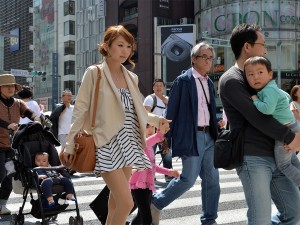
x: 259, y: 60
x: 38, y: 154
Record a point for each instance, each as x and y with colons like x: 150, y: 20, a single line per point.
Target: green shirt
x: 276, y: 102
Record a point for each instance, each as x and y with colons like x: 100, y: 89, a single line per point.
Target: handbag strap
x: 204, y: 92
x: 96, y: 97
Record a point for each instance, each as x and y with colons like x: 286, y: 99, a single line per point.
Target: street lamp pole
x: 278, y: 49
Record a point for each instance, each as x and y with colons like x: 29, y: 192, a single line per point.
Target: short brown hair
x: 111, y: 34
x: 293, y: 91
x: 67, y: 91
x: 157, y: 81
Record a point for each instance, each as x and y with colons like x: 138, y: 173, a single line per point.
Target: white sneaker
x: 4, y: 210
x: 10, y: 168
x: 155, y: 213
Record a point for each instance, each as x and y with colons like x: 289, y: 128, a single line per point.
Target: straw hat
x: 8, y: 79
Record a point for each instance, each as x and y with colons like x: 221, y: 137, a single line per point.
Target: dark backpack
x: 154, y: 102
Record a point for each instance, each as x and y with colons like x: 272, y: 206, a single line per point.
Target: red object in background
x: 47, y: 11
x: 219, y: 68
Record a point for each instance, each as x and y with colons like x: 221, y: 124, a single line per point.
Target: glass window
x: 69, y: 85
x: 69, y: 68
x: 69, y: 8
x: 69, y: 48
x: 69, y: 28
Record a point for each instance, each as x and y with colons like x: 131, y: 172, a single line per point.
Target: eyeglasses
x: 205, y: 57
x: 257, y: 43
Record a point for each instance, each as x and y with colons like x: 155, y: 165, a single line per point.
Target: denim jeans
x: 47, y: 184
x: 6, y: 182
x: 192, y: 167
x: 262, y: 182
x: 288, y: 162
x: 166, y: 158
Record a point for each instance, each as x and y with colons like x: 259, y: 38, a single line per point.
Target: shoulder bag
x: 84, y: 158
x: 229, y: 148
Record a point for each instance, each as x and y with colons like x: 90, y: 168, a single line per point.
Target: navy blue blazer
x: 182, y: 109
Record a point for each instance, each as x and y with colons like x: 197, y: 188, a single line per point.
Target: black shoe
x: 71, y: 172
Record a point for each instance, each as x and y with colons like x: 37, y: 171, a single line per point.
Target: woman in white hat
x: 11, y: 109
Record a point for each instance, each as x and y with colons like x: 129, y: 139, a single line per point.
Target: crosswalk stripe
x: 184, y: 210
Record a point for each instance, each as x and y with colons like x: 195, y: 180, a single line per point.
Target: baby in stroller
x: 49, y: 177
x: 34, y: 146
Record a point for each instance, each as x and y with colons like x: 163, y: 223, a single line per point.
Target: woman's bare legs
x: 120, y: 200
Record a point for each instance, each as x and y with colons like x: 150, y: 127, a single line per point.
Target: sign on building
x: 20, y: 73
x: 14, y: 41
x: 176, y: 42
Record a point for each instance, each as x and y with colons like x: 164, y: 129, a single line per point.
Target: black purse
x: 229, y: 148
x: 100, y: 205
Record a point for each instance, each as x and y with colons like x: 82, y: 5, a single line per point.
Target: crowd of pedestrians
x: 127, y: 131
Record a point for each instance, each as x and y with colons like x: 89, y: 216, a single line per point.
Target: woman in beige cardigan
x: 121, y: 119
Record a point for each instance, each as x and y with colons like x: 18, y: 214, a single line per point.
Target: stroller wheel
x: 17, y: 219
x: 14, y: 219
x: 79, y: 220
x: 72, y: 220
x: 54, y: 217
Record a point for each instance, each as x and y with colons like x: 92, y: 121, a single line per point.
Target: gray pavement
x: 183, y: 211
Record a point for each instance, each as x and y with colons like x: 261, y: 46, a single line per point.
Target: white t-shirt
x: 295, y: 106
x: 65, y: 120
x: 34, y: 107
x: 160, y: 108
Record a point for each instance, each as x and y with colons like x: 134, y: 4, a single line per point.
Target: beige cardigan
x: 110, y: 115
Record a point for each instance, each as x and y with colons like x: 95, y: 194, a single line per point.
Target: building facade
x: 53, y: 49
x: 15, y: 53
x: 90, y: 27
x: 141, y: 17
x: 280, y: 23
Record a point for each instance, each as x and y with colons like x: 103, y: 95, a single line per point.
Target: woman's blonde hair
x: 111, y: 34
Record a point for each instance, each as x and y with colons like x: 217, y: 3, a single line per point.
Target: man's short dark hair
x: 158, y: 80
x: 242, y: 34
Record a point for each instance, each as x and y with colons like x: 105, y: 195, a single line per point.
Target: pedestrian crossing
x: 184, y: 211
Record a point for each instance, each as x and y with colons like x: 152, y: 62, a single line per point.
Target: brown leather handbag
x: 84, y: 158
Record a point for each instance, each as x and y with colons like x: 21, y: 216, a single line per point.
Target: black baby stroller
x: 30, y: 139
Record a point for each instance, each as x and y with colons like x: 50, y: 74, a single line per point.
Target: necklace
x: 116, y: 76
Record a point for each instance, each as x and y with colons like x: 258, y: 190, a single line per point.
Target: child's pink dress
x: 145, y: 179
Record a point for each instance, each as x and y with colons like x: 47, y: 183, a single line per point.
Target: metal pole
x: 278, y: 49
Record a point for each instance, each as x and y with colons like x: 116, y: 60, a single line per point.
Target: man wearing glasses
x: 193, y: 130
x: 261, y: 179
